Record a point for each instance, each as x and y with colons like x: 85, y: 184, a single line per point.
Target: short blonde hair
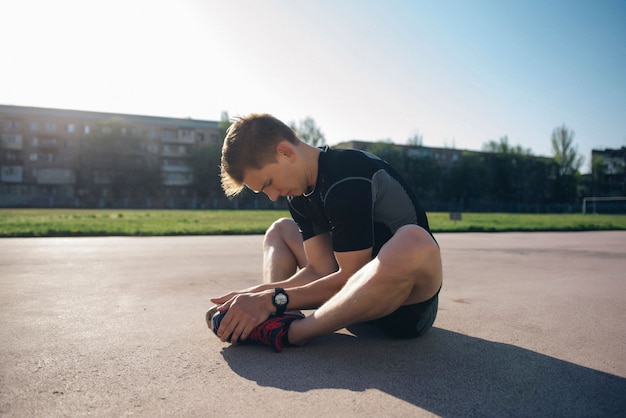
x: 251, y: 143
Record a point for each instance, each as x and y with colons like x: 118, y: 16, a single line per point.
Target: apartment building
x: 444, y: 156
x: 39, y: 147
x: 611, y: 171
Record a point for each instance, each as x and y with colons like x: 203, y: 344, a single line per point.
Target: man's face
x: 281, y: 178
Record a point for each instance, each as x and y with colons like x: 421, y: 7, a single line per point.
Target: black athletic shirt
x: 359, y: 198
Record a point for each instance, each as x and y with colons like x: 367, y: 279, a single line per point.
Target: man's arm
x: 315, y: 293
x: 309, y: 288
x: 324, y: 275
x: 320, y: 262
x: 249, y: 307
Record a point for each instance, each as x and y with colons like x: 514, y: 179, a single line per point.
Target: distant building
x: 610, y: 172
x: 444, y: 156
x: 39, y: 146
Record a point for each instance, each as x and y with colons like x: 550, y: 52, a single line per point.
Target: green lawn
x: 500, y: 222
x: 95, y: 222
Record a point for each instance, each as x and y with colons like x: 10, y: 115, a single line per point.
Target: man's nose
x: 272, y: 194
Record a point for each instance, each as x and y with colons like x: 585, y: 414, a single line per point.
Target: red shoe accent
x: 273, y: 332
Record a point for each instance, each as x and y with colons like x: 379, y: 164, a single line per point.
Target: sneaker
x: 209, y: 316
x: 273, y: 332
x: 214, y: 319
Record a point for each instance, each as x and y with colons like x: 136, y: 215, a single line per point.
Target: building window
x: 49, y: 142
x: 34, y: 126
x: 86, y: 129
x: 11, y: 173
x: 71, y: 128
x: 51, y: 127
x: 12, y: 124
x: 12, y: 141
x: 48, y: 157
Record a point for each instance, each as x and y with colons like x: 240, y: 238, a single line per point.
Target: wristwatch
x: 280, y: 300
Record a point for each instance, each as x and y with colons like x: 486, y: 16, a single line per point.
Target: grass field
x: 95, y: 222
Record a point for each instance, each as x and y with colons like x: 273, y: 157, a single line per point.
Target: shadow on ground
x: 444, y: 372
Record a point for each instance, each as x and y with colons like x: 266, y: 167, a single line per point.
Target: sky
x: 457, y: 73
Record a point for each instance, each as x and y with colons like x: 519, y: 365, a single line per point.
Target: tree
x: 391, y: 153
x: 568, y: 162
x: 468, y: 182
x: 224, y: 124
x: 416, y: 140
x: 205, y: 160
x: 425, y: 176
x: 308, y: 131
x: 565, y: 152
x: 598, y: 174
x: 502, y: 146
x: 506, y: 163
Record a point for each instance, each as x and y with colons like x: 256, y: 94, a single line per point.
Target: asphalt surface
x: 529, y: 325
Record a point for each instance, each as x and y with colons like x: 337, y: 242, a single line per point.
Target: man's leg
x: 283, y: 251
x: 283, y: 254
x: 407, y: 270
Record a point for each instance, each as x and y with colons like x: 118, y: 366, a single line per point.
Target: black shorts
x: 410, y: 321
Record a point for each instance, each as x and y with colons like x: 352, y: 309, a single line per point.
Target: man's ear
x: 285, y: 149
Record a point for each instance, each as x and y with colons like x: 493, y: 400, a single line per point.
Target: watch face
x: 280, y: 299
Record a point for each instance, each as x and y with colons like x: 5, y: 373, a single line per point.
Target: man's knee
x: 410, y: 242
x: 412, y: 258
x: 281, y: 229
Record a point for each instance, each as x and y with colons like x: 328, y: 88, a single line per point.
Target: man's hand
x: 245, y: 312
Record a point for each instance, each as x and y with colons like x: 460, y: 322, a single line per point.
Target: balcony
x: 174, y: 151
x: 177, y: 179
x: 48, y: 143
x: 12, y: 141
x: 55, y: 176
x: 11, y: 173
x: 176, y: 168
x: 180, y: 136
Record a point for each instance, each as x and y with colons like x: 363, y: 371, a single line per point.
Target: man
x: 358, y: 249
